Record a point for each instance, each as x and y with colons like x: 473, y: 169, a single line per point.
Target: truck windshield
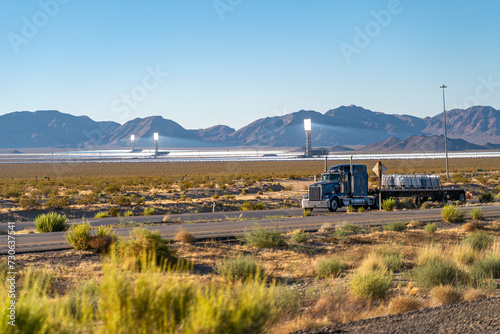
x: 330, y: 177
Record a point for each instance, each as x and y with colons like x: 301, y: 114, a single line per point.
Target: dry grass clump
x: 445, y: 294
x: 301, y: 323
x: 473, y: 294
x: 433, y: 252
x: 101, y: 243
x: 403, y: 304
x: 327, y: 228
x: 185, y: 237
x: 463, y: 254
x: 372, y: 262
x: 471, y: 226
x: 415, y: 223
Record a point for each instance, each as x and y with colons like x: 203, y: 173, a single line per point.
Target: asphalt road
x: 206, y: 226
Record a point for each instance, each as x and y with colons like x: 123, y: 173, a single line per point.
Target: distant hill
x: 49, y: 128
x: 171, y: 134
x: 425, y: 144
x: 477, y: 124
x: 343, y: 126
x: 217, y: 133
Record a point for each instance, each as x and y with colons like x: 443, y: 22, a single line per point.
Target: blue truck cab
x: 341, y: 185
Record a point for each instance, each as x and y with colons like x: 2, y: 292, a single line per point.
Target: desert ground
x: 299, y: 280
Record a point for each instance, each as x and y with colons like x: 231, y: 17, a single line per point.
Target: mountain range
x: 474, y: 128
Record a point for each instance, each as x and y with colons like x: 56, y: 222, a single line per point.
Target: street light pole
x: 445, y: 135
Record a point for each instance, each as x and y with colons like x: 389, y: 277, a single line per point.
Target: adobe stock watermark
x: 127, y: 101
x: 483, y: 91
x: 31, y: 26
x: 223, y: 6
x: 373, y: 28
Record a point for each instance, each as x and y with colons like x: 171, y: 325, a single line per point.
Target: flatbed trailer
x: 420, y: 196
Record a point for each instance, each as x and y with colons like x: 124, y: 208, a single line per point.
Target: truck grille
x: 315, y: 193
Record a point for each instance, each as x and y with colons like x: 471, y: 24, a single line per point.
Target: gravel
x: 479, y: 316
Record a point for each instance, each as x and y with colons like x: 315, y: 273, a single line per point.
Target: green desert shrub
x: 430, y: 228
x: 121, y: 200
x: 371, y: 284
x: 112, y: 188
x: 263, y: 238
x: 388, y: 204
x: 479, y: 240
x: 78, y: 235
x: 490, y: 266
x: 407, y: 204
x: 299, y: 236
x: 148, y: 211
x: 12, y: 192
x: 51, y: 222
x: 29, y: 203
x: 252, y: 206
x: 486, y: 197
x: 330, y: 266
x: 57, y: 202
x: 245, y: 310
x: 452, y: 214
x: 395, y: 227
x: 435, y: 273
x: 239, y: 268
x: 101, y: 214
x: 113, y: 212
x: 145, y: 243
x: 350, y: 209
x: 128, y: 213
x: 286, y: 300
x: 88, y: 199
x: 391, y: 257
x: 477, y: 214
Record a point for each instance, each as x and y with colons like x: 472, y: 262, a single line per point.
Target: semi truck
x: 347, y: 185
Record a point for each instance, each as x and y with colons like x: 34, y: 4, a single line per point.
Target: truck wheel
x: 444, y: 199
x: 334, y: 205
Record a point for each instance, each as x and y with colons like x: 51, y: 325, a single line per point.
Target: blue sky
x: 207, y: 62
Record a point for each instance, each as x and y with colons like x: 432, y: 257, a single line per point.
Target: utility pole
x: 445, y: 135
